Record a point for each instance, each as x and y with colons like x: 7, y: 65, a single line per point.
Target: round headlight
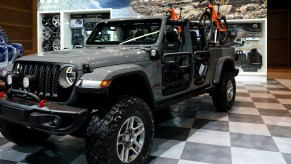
x: 17, y: 68
x: 9, y: 79
x: 25, y: 82
x: 67, y: 77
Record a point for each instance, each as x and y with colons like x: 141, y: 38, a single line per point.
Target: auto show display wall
x: 53, y: 35
x: 250, y: 43
x: 18, y: 19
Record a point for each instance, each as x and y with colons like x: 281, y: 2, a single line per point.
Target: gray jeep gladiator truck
x: 106, y: 92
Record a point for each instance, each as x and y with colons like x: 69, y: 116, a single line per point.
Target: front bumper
x: 53, y: 118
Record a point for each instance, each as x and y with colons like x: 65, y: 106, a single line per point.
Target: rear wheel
x: 223, y: 96
x: 21, y: 135
x: 206, y: 20
x: 223, y: 34
x: 123, y: 135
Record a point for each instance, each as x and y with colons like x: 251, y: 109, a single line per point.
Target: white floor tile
x: 242, y: 90
x: 249, y: 128
x: 284, y: 101
x: 244, y: 110
x: 256, y: 88
x: 281, y: 92
x: 262, y: 95
x: 284, y: 144
x: 251, y: 82
x: 244, y: 99
x: 251, y: 156
x: 279, y: 121
x: 179, y: 122
x: 212, y: 116
x: 269, y: 105
x: 167, y: 148
x: 285, y: 82
x: 209, y: 137
x: 273, y: 86
x: 190, y: 162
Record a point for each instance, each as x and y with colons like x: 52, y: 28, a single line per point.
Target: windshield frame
x: 90, y: 41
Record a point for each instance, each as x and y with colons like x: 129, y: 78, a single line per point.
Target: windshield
x: 139, y: 31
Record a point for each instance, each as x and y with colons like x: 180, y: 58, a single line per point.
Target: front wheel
x: 206, y: 20
x: 123, y: 135
x: 223, y: 96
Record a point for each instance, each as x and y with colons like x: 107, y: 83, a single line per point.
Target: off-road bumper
x: 53, y: 118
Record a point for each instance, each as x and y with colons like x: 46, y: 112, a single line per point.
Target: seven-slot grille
x: 47, y: 77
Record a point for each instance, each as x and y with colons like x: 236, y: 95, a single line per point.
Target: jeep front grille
x: 47, y: 75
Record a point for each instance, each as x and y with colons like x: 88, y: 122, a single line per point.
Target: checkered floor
x: 257, y: 130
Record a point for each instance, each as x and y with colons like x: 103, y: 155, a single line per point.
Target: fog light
x: 29, y: 81
x: 25, y: 82
x: 56, y: 121
x: 9, y: 79
x: 153, y: 53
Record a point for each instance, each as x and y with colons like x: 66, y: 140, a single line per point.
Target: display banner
x: 233, y: 9
x: 120, y: 8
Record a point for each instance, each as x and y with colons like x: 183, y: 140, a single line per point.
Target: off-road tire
x: 220, y: 94
x: 21, y: 135
x: 103, y: 131
x: 206, y: 20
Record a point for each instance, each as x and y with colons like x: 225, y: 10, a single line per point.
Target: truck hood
x: 93, y: 56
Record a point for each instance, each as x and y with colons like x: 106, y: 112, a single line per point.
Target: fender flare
x: 220, y: 67
x: 111, y: 73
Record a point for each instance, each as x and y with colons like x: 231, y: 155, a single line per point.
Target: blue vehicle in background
x: 9, y: 52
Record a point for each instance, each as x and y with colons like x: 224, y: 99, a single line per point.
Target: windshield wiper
x: 139, y: 37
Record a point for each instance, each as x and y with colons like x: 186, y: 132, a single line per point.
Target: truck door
x: 177, y: 66
x: 201, y: 64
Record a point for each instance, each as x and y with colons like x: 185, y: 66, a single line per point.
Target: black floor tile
x: 244, y: 104
x: 211, y: 125
x: 242, y: 94
x: 287, y: 106
x: 258, y: 91
x: 206, y: 153
x: 245, y: 118
x: 278, y: 89
x: 265, y: 100
x: 282, y: 96
x: 7, y: 162
x: 173, y: 133
x: 280, y: 131
x: 287, y: 158
x: 275, y: 112
x: 253, y: 142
